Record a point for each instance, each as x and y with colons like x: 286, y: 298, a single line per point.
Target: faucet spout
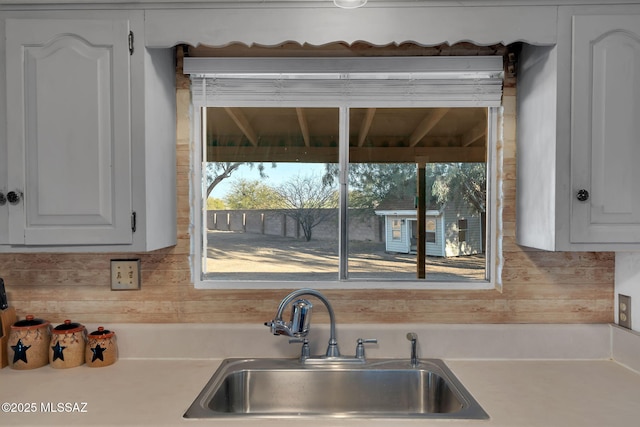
x: 279, y: 327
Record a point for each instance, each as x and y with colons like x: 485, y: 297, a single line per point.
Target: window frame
x: 396, y: 228
x: 462, y: 230
x: 198, y: 206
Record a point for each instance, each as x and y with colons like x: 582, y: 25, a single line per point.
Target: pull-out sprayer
x: 413, y: 337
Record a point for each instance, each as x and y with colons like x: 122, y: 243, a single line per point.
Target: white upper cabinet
x: 579, y: 134
x: 90, y: 135
x: 605, y: 139
x: 69, y: 131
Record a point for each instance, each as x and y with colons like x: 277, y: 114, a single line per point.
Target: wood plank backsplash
x: 538, y: 286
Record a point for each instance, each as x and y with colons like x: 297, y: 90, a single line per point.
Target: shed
x: 450, y: 231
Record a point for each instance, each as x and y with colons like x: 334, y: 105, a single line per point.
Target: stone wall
x: 364, y: 225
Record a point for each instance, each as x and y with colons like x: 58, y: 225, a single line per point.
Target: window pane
x: 272, y: 194
x: 386, y: 145
x: 270, y: 214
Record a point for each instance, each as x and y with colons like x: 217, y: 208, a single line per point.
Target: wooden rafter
x: 366, y: 125
x: 474, y: 134
x: 426, y: 125
x: 356, y: 154
x: 241, y: 121
x: 304, y: 126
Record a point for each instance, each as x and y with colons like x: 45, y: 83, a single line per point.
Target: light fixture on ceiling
x: 349, y: 4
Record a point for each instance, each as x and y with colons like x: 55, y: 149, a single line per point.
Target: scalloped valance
x: 270, y: 25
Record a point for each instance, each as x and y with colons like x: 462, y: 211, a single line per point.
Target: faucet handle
x: 305, y: 351
x: 278, y: 327
x: 360, y: 346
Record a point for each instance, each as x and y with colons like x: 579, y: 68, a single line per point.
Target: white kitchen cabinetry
x: 69, y: 131
x: 82, y: 161
x: 605, y: 140
x: 579, y: 134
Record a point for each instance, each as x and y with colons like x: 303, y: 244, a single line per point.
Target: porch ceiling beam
x: 426, y: 125
x: 476, y: 133
x: 304, y: 126
x: 294, y: 138
x: 356, y: 154
x: 365, y: 126
x: 241, y: 121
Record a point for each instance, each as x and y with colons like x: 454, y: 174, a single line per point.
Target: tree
x: 216, y: 172
x: 371, y: 183
x: 252, y: 194
x: 214, y: 204
x: 458, y: 182
x: 309, y: 201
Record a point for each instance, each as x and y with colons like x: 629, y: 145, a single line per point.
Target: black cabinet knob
x: 582, y: 195
x: 14, y: 197
x: 3, y: 199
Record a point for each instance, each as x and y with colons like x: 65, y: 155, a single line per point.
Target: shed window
x: 462, y: 230
x: 396, y: 229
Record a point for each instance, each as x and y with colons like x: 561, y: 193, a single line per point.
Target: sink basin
x: 385, y: 388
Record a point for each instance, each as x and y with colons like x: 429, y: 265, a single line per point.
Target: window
x: 302, y: 174
x: 462, y: 230
x: 396, y: 229
x: 430, y: 231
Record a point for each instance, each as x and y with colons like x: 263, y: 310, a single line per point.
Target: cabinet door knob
x: 582, y: 195
x: 3, y: 199
x: 14, y: 197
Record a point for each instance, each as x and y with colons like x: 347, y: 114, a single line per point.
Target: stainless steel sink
x: 382, y: 388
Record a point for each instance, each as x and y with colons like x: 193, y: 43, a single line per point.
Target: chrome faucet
x: 298, y: 326
x: 413, y: 337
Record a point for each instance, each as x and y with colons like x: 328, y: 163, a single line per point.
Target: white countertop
x: 514, y: 392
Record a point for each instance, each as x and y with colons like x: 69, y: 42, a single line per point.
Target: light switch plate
x: 125, y: 274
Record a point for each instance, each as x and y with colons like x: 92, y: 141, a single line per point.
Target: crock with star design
x: 67, y: 347
x: 28, y: 343
x: 101, y: 349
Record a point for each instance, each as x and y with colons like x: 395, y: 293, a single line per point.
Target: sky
x: 275, y: 176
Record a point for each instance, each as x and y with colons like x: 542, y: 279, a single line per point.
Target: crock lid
x: 30, y: 322
x: 68, y: 327
x: 101, y: 332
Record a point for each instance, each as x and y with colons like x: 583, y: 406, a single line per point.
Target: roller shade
x: 354, y: 82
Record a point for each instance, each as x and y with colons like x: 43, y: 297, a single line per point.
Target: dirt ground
x: 246, y: 256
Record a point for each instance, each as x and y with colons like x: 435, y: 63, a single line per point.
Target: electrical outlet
x: 125, y: 274
x: 624, y: 311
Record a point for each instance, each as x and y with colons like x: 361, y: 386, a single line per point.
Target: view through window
x: 411, y: 192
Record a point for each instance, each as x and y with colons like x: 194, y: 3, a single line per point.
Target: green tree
x: 309, y: 201
x: 371, y: 183
x: 252, y: 194
x: 214, y: 204
x: 462, y: 182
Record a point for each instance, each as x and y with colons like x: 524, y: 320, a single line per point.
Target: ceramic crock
x: 67, y: 347
x: 102, y: 348
x: 28, y: 343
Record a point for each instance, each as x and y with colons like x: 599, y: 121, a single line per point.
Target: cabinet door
x: 69, y: 131
x: 605, y: 148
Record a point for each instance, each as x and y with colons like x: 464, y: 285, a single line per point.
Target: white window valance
x: 380, y: 23
x: 354, y: 82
